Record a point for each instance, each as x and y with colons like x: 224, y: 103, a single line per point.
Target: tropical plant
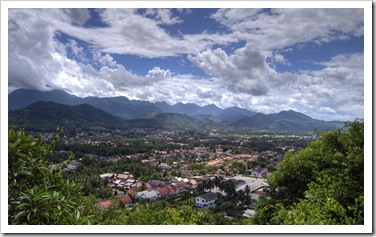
x: 37, y: 193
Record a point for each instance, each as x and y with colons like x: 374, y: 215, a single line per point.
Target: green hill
x: 285, y: 121
x: 47, y: 116
x: 174, y: 121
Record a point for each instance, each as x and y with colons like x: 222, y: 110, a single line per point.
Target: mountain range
x: 36, y: 109
x: 123, y: 107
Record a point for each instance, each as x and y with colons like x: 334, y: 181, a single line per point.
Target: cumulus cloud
x: 129, y: 32
x: 280, y: 59
x: 245, y: 70
x: 163, y: 16
x: 78, y: 16
x: 158, y: 74
x: 103, y: 59
x: 37, y: 60
x: 280, y: 28
x: 243, y: 78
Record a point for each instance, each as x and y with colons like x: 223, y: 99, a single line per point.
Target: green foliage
x: 321, y: 184
x: 158, y: 213
x: 46, y: 116
x: 37, y: 194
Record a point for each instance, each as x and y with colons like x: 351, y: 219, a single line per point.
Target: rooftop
x: 208, y: 196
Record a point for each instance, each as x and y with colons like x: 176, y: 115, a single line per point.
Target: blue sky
x: 266, y: 60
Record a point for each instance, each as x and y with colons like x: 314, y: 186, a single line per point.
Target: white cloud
x: 244, y: 71
x: 242, y: 78
x: 103, y: 59
x: 78, y: 16
x: 281, y: 28
x: 327, y: 110
x: 280, y: 59
x: 163, y: 16
x: 158, y: 74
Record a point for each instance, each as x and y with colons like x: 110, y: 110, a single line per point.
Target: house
x: 257, y: 184
x: 128, y: 185
x: 131, y: 192
x: 193, y: 183
x: 155, y: 183
x: 248, y: 213
x: 147, y: 195
x: 163, y: 192
x: 126, y: 200
x: 137, y: 184
x: 185, y: 173
x: 258, y: 194
x: 239, y: 182
x: 164, y: 166
x: 103, y: 204
x: 259, y: 172
x: 122, y: 176
x: 180, y: 186
x: 106, y: 175
x: 117, y: 192
x: 172, y: 189
x: 205, y: 200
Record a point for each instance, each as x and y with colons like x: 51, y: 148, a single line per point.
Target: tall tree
x: 321, y: 184
x: 37, y: 193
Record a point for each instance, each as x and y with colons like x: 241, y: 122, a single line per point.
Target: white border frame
x: 366, y: 228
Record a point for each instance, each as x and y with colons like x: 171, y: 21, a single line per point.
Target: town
x: 125, y: 169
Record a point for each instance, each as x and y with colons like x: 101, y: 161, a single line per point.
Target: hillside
x: 111, y: 111
x: 123, y: 107
x: 285, y: 121
x: 119, y: 106
x: 174, y: 121
x: 47, y: 116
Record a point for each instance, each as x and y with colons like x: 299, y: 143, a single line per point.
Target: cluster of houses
x: 149, y: 191
x: 135, y: 190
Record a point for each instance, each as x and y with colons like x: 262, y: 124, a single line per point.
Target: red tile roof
x: 126, y: 200
x: 132, y: 192
x: 163, y: 191
x: 105, y: 203
x: 171, y: 188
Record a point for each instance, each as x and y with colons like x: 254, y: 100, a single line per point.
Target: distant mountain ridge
x: 47, y: 116
x: 122, y: 106
x: 123, y: 113
x: 285, y: 121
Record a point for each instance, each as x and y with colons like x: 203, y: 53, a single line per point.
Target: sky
x: 310, y: 60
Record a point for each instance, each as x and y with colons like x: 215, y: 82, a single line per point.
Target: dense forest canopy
x: 321, y: 184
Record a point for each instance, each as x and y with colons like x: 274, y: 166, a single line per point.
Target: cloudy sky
x: 266, y: 60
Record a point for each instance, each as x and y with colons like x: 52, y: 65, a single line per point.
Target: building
x: 106, y: 175
x: 163, y: 192
x: 205, y: 200
x: 164, y: 166
x: 127, y: 201
x: 149, y: 195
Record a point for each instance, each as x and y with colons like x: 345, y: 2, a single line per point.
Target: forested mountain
x: 123, y: 107
x: 174, y: 121
x: 118, y: 106
x: 285, y: 121
x: 143, y: 114
x: 48, y: 116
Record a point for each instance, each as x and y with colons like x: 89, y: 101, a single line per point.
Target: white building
x: 205, y: 200
x: 150, y: 195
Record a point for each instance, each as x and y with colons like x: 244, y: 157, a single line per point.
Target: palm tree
x: 228, y: 186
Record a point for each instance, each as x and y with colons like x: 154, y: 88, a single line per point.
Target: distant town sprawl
x: 183, y: 163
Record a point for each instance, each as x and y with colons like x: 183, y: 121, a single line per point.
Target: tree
x: 321, y: 184
x: 228, y: 186
x: 37, y: 193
